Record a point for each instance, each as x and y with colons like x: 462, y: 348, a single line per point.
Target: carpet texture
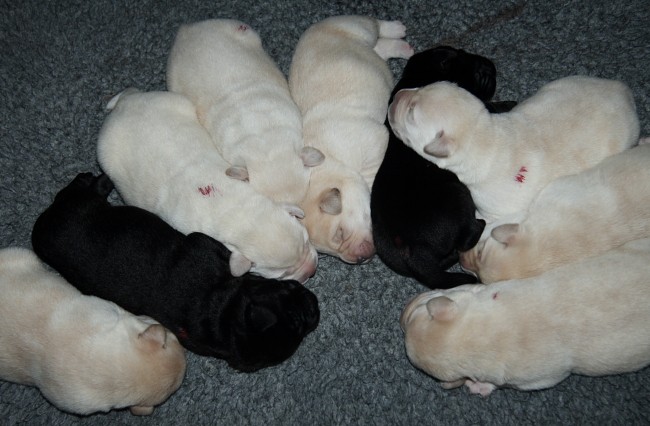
x: 61, y: 62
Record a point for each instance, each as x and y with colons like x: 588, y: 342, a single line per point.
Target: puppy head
x: 443, y: 63
x: 123, y: 361
x: 504, y: 253
x: 266, y: 321
x: 435, y: 120
x: 434, y: 328
x: 337, y: 213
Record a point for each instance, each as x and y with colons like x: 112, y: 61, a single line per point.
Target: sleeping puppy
x: 243, y: 100
x: 83, y: 353
x: 423, y: 215
x: 590, y: 317
x: 161, y: 159
x: 132, y: 257
x: 341, y: 82
x: 570, y: 125
x: 574, y: 217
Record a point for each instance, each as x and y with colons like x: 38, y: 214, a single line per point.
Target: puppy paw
x: 393, y: 48
x: 391, y: 29
x: 481, y: 388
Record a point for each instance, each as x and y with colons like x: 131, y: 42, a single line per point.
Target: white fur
x: 573, y: 217
x: 590, y: 317
x: 85, y: 354
x: 161, y: 159
x: 341, y: 82
x: 243, y: 100
x: 505, y: 159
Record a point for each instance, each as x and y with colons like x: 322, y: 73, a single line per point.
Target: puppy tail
x: 115, y: 99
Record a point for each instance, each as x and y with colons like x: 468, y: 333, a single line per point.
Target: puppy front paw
x: 393, y: 48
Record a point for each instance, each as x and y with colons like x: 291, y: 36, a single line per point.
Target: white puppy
x: 341, y: 82
x: 84, y: 354
x: 505, y: 159
x: 590, y: 317
x: 243, y: 100
x: 161, y: 159
x: 573, y: 217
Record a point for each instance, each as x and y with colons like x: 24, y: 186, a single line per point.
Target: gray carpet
x: 62, y: 60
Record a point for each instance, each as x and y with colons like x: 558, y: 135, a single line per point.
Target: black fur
x: 422, y: 215
x: 132, y: 257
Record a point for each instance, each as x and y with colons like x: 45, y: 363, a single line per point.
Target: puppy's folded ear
x: 440, y: 146
x: 237, y: 172
x: 154, y: 336
x: 311, y: 156
x: 261, y: 318
x: 294, y: 210
x: 442, y: 308
x: 505, y: 234
x: 330, y: 201
x: 239, y: 264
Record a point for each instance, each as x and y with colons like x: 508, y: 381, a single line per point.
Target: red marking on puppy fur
x: 242, y: 28
x: 520, y: 176
x: 495, y: 295
x: 209, y: 190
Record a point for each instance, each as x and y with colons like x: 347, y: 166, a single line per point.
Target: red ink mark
x: 242, y: 27
x: 182, y: 333
x: 209, y: 190
x: 521, y: 177
x: 495, y: 295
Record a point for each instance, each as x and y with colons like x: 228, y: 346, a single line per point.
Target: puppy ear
x: 237, y: 172
x: 261, y: 318
x: 442, y: 308
x: 330, y: 201
x: 505, y: 234
x: 294, y: 210
x: 440, y: 146
x: 311, y: 156
x: 103, y: 185
x: 154, y: 336
x: 239, y: 264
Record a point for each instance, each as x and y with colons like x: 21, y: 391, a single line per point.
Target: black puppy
x: 132, y: 257
x: 422, y: 215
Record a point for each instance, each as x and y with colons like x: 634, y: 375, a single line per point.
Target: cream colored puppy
x: 341, y: 82
x: 505, y: 159
x: 84, y: 354
x: 574, y: 217
x: 243, y: 100
x: 590, y: 317
x: 161, y: 159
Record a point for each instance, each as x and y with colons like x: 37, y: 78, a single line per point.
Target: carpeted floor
x: 62, y: 60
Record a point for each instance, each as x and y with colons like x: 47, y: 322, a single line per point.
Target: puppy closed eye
x: 338, y: 236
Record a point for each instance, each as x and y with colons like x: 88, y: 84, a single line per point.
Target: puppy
x: 423, y: 215
x: 133, y: 258
x: 574, y: 217
x: 570, y: 125
x: 243, y: 100
x: 161, y: 159
x: 590, y: 317
x: 83, y: 353
x: 341, y: 82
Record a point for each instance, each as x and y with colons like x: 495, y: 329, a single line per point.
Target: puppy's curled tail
x: 115, y: 99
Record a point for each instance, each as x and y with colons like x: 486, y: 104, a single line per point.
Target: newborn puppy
x: 132, y: 257
x: 341, y: 82
x: 161, y: 159
x: 83, y: 353
x: 243, y: 100
x: 423, y: 215
x: 590, y: 317
x: 574, y: 217
x: 570, y: 125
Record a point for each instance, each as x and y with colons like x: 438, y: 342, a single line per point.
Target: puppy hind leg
x: 391, y: 29
x: 393, y: 48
